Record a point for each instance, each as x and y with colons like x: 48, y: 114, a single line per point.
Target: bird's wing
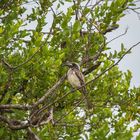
x: 80, y: 76
x: 83, y: 90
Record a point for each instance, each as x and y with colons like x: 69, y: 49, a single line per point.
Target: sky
x: 130, y: 61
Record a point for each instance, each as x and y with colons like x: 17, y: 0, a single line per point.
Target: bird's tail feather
x: 86, y: 98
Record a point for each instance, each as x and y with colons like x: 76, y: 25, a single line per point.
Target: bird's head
x: 72, y: 65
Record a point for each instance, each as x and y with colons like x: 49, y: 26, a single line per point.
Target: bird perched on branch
x: 77, y: 80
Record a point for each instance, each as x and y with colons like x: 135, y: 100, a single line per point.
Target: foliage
x: 36, y: 38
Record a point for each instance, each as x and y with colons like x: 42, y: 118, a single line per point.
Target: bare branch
x: 89, y: 70
x: 97, y: 3
x: 6, y: 111
x: 57, y: 84
x: 14, y: 124
x: 76, y: 10
x: 6, y: 64
x: 135, y: 10
x: 118, y: 36
x: 109, y: 29
x: 68, y: 124
x: 53, y: 11
x: 31, y: 135
x: 15, y: 106
x: 46, y: 117
x: 87, y: 3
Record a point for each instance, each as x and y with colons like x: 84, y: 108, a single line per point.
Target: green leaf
x: 1, y: 30
x: 76, y: 26
x: 86, y: 11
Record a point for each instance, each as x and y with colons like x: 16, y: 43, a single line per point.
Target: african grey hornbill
x: 77, y: 80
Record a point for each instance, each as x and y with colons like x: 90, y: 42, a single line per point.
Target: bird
x: 77, y: 80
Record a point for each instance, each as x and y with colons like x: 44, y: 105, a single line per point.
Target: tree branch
x: 31, y: 135
x: 14, y: 124
x: 118, y: 36
x: 57, y: 84
x: 97, y: 3
x: 89, y: 70
x: 15, y: 106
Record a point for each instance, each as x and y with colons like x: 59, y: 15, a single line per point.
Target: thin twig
x: 53, y: 11
x: 63, y: 116
x: 118, y: 36
x: 31, y: 134
x: 87, y: 3
x: 97, y: 3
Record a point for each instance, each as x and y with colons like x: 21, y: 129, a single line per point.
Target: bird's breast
x: 73, y: 79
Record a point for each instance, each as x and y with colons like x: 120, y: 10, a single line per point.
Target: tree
x: 36, y: 101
